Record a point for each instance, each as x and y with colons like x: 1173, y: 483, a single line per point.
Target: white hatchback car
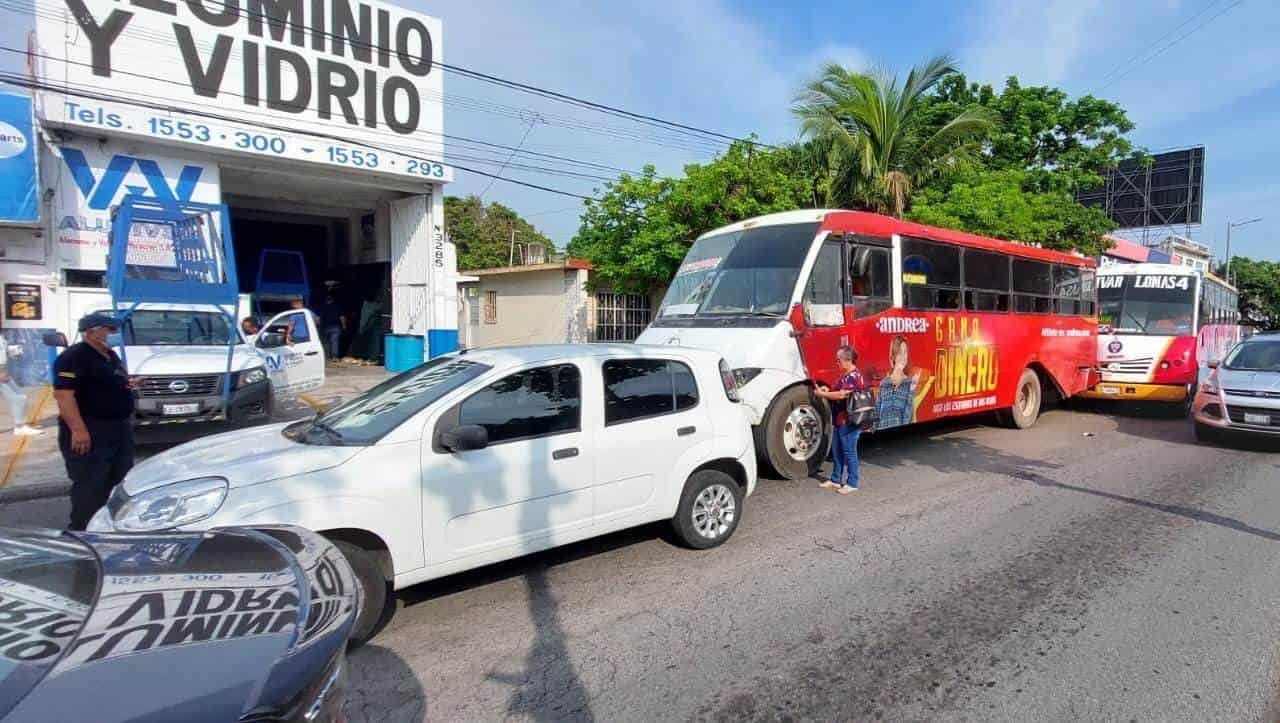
x: 473, y: 458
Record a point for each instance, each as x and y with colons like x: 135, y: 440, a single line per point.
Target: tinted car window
x: 533, y: 403
x: 639, y: 388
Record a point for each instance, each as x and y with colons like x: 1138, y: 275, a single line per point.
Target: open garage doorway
x: 321, y: 239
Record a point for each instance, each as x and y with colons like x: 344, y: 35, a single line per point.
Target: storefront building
x: 318, y: 123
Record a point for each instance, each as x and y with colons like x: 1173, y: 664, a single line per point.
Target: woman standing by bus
x: 844, y: 437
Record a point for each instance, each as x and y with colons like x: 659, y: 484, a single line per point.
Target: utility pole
x: 1230, y: 225
x: 511, y: 254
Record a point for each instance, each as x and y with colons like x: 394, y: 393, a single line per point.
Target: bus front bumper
x: 1135, y: 392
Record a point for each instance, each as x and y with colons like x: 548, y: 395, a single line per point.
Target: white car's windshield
x: 752, y: 271
x: 366, y: 418
x: 176, y: 327
x: 1257, y: 356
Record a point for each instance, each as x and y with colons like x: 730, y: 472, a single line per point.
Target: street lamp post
x: 1230, y: 225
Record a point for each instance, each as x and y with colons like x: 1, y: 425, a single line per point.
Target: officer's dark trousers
x: 95, y: 473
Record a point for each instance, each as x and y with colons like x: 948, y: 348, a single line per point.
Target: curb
x: 36, y: 491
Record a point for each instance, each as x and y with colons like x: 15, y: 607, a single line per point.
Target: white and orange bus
x: 1158, y: 326
x: 943, y: 322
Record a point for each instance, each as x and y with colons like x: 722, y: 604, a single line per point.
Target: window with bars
x: 491, y: 307
x: 620, y: 317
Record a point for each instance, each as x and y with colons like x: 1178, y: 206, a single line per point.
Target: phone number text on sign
x: 212, y: 134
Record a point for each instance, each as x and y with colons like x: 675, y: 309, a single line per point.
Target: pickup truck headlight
x: 250, y: 376
x: 172, y: 505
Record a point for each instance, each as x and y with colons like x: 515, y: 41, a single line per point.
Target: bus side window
x: 869, y: 280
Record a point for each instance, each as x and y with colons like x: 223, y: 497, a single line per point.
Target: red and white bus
x: 1159, y: 324
x: 943, y: 322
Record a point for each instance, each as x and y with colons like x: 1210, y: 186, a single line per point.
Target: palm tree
x: 878, y: 143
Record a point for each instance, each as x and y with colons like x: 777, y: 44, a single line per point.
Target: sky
x: 1189, y: 72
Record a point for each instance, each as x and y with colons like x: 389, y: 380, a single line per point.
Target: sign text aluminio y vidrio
x: 226, y: 72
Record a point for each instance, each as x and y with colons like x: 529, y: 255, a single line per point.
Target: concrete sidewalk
x: 31, y: 467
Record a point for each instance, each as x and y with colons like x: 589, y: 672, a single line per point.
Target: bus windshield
x: 1147, y: 304
x: 752, y: 271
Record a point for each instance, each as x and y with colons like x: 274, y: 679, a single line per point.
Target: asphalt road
x: 1095, y: 567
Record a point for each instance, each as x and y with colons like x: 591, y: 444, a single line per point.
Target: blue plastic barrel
x: 403, y: 352
x: 441, y: 341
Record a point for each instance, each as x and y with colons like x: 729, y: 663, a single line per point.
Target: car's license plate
x: 1257, y: 419
x: 1108, y: 389
x: 171, y: 410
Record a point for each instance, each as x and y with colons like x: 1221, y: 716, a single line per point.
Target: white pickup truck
x: 178, y: 354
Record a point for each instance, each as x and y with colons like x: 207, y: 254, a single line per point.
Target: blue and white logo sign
x: 1115, y: 346
x: 18, y: 184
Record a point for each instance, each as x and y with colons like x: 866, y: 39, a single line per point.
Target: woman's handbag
x: 861, y: 407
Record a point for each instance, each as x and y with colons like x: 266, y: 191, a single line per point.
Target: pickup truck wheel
x: 374, y: 593
x: 796, y: 434
x: 710, y: 509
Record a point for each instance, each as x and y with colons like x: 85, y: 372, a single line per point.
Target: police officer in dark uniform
x: 95, y: 406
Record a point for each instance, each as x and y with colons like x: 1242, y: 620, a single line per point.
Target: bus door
x: 823, y: 326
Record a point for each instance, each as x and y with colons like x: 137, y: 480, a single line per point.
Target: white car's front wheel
x: 374, y: 591
x: 710, y: 509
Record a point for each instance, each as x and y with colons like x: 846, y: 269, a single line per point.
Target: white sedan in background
x: 474, y: 458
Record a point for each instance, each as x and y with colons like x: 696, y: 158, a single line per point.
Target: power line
x: 1148, y: 46
x: 507, y: 162
x: 357, y: 118
x: 23, y: 82
x: 512, y: 84
x: 1160, y: 51
x: 685, y: 142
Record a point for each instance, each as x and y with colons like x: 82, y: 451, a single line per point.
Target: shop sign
x: 19, y: 185
x: 22, y: 302
x: 333, y: 82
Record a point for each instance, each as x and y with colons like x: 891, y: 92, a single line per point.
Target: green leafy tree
x: 638, y: 231
x: 1062, y: 143
x: 880, y: 143
x: 1005, y: 204
x: 482, y: 233
x: 1259, y: 286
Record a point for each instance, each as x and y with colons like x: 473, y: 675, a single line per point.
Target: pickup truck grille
x: 195, y: 385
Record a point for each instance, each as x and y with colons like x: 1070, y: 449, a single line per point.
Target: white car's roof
x: 507, y: 355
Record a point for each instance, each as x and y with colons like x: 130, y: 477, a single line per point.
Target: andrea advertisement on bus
x: 943, y: 322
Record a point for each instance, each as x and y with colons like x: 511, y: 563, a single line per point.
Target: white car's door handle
x: 565, y: 453
x: 686, y: 431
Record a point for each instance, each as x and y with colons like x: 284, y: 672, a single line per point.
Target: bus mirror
x: 1104, y: 328
x: 1212, y: 364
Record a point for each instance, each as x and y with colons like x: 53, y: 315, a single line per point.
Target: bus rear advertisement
x: 943, y: 322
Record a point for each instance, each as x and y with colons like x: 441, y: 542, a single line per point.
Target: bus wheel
x: 1182, y: 409
x: 1026, y: 403
x: 795, y: 434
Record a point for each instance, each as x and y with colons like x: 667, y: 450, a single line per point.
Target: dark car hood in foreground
x: 216, y: 625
